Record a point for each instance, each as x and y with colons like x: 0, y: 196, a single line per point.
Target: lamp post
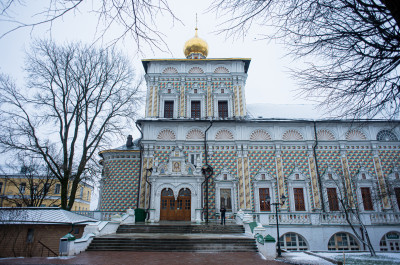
x: 207, y: 171
x: 148, y: 174
x: 283, y: 198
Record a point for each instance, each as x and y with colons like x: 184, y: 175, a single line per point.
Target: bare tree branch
x: 77, y: 98
x: 354, y: 46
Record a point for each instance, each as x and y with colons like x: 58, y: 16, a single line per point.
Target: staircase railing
x: 48, y: 250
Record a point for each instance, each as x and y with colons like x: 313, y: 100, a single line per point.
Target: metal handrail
x: 49, y: 249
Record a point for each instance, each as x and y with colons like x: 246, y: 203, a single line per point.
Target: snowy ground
x: 363, y: 258
x: 350, y: 258
x: 303, y: 258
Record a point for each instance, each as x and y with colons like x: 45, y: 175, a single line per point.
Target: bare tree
x: 32, y: 183
x: 350, y: 205
x: 136, y: 19
x: 354, y: 44
x: 77, y: 98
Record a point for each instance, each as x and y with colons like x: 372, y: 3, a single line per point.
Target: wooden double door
x: 175, y: 210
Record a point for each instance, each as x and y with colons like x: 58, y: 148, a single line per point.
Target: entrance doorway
x: 175, y: 210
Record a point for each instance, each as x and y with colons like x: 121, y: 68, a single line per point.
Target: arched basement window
x: 293, y: 242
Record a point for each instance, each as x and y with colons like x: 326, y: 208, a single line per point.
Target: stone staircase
x: 181, y: 229
x: 176, y: 238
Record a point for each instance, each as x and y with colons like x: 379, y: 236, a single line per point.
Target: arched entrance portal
x: 175, y: 210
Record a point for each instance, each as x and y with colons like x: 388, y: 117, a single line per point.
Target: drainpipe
x: 140, y: 164
x: 147, y: 177
x: 205, y: 175
x: 316, y: 166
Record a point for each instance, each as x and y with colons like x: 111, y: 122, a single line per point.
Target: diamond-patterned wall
x: 120, y: 187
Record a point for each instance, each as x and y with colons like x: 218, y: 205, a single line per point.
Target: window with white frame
x: 298, y: 186
x: 332, y: 188
x: 264, y: 188
x: 196, y: 102
x: 226, y: 190
x: 366, y: 190
x: 169, y: 98
x: 293, y: 242
x: 223, y: 103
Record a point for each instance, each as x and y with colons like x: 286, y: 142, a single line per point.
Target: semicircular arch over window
x: 170, y: 70
x: 386, y: 136
x: 221, y: 70
x: 224, y: 135
x: 355, y: 135
x: 292, y: 135
x: 325, y: 135
x: 293, y: 242
x: 195, y: 134
x: 343, y: 241
x: 390, y: 242
x: 260, y: 135
x: 196, y: 70
x: 166, y: 134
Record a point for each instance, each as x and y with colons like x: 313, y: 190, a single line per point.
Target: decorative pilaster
x: 150, y: 102
x: 241, y: 180
x: 246, y: 177
x: 381, y: 178
x: 279, y: 170
x: 345, y: 167
x: 314, y: 180
x: 155, y: 99
x: 236, y: 105
x: 241, y: 101
x: 182, y: 100
x: 209, y: 98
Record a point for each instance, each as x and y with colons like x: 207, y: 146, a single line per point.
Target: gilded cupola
x: 196, y: 48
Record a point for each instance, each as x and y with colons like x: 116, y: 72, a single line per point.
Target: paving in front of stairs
x: 150, y: 258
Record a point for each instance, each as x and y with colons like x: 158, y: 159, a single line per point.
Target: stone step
x: 187, y: 229
x: 174, y: 245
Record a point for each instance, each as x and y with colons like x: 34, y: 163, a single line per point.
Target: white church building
x: 200, y: 149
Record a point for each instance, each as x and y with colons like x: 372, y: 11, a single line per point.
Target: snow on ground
x: 303, y: 258
x: 363, y: 258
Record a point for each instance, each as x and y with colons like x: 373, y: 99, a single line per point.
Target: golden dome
x: 196, y: 45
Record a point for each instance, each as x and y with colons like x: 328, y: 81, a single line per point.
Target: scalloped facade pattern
x: 195, y: 134
x: 224, y: 135
x: 221, y: 70
x: 170, y: 70
x: 325, y: 135
x: 166, y: 134
x: 355, y: 135
x: 196, y: 70
x: 260, y: 135
x: 292, y: 135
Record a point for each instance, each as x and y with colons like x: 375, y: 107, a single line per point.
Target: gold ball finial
x: 196, y: 45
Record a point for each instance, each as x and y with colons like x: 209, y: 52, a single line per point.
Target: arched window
x: 390, y: 242
x: 343, y: 241
x: 386, y: 136
x: 167, y: 192
x: 293, y: 242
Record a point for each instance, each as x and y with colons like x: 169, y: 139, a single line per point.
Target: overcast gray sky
x: 268, y: 80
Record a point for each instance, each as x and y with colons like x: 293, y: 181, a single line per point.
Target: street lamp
x: 148, y: 174
x: 207, y: 171
x: 283, y: 198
